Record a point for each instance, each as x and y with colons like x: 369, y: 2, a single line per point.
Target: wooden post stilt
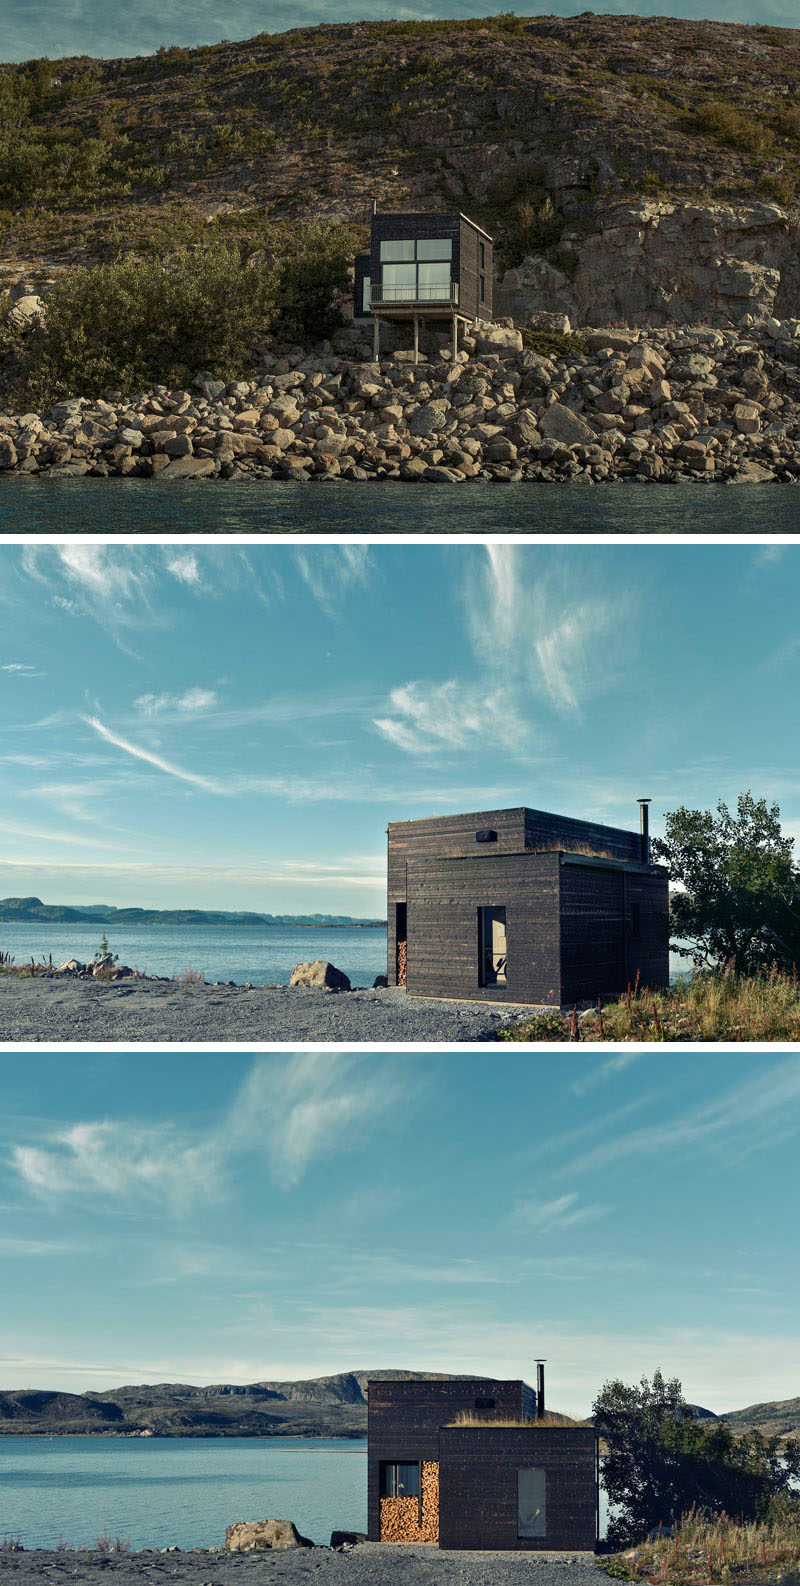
x: 416, y: 338
x: 376, y: 346
x: 455, y: 338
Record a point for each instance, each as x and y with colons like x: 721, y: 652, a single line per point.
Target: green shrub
x: 552, y: 1026
x: 311, y: 281
x: 138, y: 322
x: 733, y: 127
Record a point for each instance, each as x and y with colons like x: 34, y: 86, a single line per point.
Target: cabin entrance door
x: 492, y: 946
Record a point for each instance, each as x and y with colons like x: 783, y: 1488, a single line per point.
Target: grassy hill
x: 531, y: 124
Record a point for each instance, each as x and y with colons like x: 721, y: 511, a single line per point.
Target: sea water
x: 262, y: 954
x: 267, y: 506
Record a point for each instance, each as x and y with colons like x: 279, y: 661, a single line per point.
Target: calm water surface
x: 129, y: 506
x: 182, y: 1491
x: 261, y: 954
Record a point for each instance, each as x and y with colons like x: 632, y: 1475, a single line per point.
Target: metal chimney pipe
x: 644, y: 828
x: 374, y: 206
x: 539, y: 1389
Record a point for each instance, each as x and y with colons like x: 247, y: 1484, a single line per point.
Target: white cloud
x: 21, y: 669
x: 183, y: 566
x: 293, y: 1110
x: 424, y: 718
x: 98, y: 569
x: 332, y: 572
x: 534, y: 628
x: 308, y: 1107
x: 193, y: 699
x: 156, y: 760
x: 554, y: 1216
x: 115, y: 1160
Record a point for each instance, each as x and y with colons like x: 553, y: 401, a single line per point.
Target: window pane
x: 531, y: 1503
x: 399, y: 282
x: 366, y: 300
x: 434, y: 275
x: 434, y: 247
x: 408, y: 1481
x: 400, y: 248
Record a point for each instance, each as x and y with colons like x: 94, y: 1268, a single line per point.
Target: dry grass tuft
x: 716, y: 1006
x: 714, y: 1550
x: 550, y: 1418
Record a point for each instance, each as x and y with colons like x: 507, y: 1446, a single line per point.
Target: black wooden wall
x: 403, y: 1421
x: 614, y: 920
x: 444, y: 896
x: 478, y: 1486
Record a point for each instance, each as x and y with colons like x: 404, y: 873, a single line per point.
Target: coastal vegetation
x: 135, y: 322
x: 713, y: 1005
x: 660, y: 1462
x: 716, y: 1550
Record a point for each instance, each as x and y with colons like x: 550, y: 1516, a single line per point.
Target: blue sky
x: 206, y: 1220
x: 72, y: 27
x: 233, y: 726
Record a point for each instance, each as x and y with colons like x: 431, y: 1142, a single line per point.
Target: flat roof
x: 594, y: 861
x: 459, y: 213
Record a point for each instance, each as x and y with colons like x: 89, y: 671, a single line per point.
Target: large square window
x: 399, y: 1480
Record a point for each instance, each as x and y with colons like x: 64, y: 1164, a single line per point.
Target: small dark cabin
x: 424, y: 267
x: 526, y: 907
x: 445, y: 1466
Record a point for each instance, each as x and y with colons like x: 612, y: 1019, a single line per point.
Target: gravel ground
x: 61, y: 1009
x: 371, y: 1563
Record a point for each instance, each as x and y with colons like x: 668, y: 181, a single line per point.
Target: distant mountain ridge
x: 333, y: 1406
x: 33, y: 910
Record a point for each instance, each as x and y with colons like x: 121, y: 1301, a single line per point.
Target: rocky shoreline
x: 666, y: 405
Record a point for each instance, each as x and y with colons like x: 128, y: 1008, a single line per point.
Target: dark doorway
x: 401, y: 940
x: 492, y: 947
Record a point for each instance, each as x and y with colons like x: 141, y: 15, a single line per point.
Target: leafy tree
x: 659, y: 1462
x: 311, y: 282
x: 741, y: 903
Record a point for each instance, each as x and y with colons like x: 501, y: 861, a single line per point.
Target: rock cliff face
x: 660, y: 263
x: 634, y: 168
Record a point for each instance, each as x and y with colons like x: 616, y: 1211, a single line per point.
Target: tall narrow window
x: 492, y: 963
x: 482, y: 247
x: 531, y: 1503
x: 366, y: 300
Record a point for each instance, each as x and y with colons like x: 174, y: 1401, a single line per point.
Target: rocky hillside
x: 632, y: 168
x: 333, y: 1406
x: 320, y: 1407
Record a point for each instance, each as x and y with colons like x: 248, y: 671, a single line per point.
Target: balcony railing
x: 409, y: 296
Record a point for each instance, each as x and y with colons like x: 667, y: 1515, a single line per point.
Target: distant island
x: 334, y: 1406
x: 33, y: 910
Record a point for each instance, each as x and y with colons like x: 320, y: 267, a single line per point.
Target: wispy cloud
x: 140, y: 753
x: 116, y: 1160
x: 425, y: 718
x: 293, y: 1111
x: 533, y: 630
x: 333, y: 572
x: 183, y: 566
x: 558, y: 1214
x: 605, y: 1071
x: 21, y: 669
x: 753, y: 1115
x: 191, y: 700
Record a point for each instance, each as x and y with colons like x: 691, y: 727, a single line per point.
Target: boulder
x: 71, y: 966
x: 379, y: 984
x: 103, y: 966
x: 189, y: 468
x: 747, y: 418
x: 319, y: 973
x: 8, y: 452
x: 26, y: 312
x: 260, y: 1536
x: 347, y: 1538
x: 559, y: 423
x: 429, y: 419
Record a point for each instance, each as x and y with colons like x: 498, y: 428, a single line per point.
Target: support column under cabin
x: 376, y: 340
x: 416, y: 338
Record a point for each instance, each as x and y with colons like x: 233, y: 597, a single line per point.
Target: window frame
x: 415, y: 259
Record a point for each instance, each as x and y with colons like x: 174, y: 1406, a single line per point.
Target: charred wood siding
x: 444, y: 896
x: 389, y: 227
x: 443, y: 837
x: 403, y: 1421
x: 613, y: 922
x: 478, y: 1486
x: 469, y: 300
x: 360, y: 273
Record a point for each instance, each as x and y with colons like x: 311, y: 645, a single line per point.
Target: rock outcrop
x: 674, y: 262
x: 319, y: 973
x: 260, y: 1536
